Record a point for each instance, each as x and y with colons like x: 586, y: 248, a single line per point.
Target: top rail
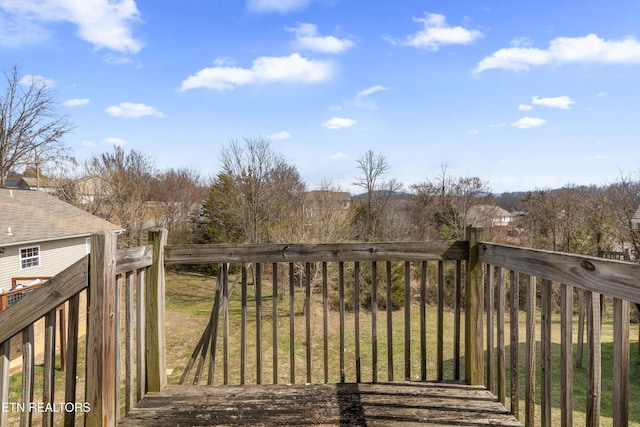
x: 47, y: 297
x: 324, y: 252
x: 620, y: 279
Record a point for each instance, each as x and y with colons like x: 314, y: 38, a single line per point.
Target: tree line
x: 259, y: 196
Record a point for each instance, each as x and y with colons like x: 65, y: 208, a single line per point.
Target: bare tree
x: 257, y: 196
x: 370, y: 211
x: 30, y: 130
x: 176, y: 198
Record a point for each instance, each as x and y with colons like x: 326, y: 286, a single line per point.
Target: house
x: 40, y: 235
x: 635, y: 219
x: 490, y: 216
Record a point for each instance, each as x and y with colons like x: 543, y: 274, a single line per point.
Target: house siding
x: 55, y: 256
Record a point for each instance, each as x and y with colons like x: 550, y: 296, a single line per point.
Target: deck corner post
x: 155, y: 314
x: 101, y: 324
x: 474, y: 307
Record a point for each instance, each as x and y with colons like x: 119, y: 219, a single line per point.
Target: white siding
x: 55, y: 256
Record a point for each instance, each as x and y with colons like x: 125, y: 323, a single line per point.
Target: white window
x: 29, y: 257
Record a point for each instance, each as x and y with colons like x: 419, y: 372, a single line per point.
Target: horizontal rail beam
x: 53, y: 293
x: 620, y: 279
x: 131, y: 259
x: 327, y: 252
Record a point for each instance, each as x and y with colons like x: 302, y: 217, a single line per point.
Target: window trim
x: 21, y: 259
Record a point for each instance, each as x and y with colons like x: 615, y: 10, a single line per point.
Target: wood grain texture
x: 269, y: 253
x: 380, y: 404
x: 606, y: 276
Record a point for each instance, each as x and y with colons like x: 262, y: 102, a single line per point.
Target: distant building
x: 490, y: 216
x: 635, y: 219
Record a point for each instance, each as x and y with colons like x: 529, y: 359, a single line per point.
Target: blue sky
x: 524, y: 94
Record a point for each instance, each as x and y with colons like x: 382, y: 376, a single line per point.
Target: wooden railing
x: 366, y: 272
x: 543, y: 275
x: 99, y: 278
x: 126, y: 321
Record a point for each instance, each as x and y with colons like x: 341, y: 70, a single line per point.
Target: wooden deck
x: 383, y: 404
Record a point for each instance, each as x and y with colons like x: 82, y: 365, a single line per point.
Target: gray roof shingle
x: 37, y: 216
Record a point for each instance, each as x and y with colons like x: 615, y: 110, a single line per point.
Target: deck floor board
x: 379, y: 404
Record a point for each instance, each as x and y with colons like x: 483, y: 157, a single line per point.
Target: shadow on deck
x: 407, y: 403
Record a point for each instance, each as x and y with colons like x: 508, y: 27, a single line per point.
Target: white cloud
x: 338, y: 155
x: 87, y: 143
x: 76, y: 102
x: 307, y: 38
x: 565, y: 50
x: 528, y: 122
x: 370, y: 91
x: 114, y: 141
x: 473, y: 132
x: 281, y: 6
x: 131, y: 110
x: 563, y: 102
x: 437, y: 33
x: 103, y: 23
x: 283, y: 134
x: 37, y: 80
x: 266, y: 69
x: 339, y: 123
x: 525, y: 107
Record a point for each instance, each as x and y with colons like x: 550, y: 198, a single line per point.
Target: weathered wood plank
x: 416, y: 251
x: 514, y: 306
x: 49, y: 374
x: 566, y: 355
x: 100, y: 391
x: 594, y: 359
x: 423, y: 321
x: 501, y: 367
x: 620, y: 363
x: 379, y: 404
x: 606, y: 276
x: 131, y: 259
x: 51, y: 294
x: 154, y: 314
x: 389, y: 324
x: 530, y: 361
x: 5, y: 351
x: 545, y: 352
x: 27, y: 374
x: 474, y: 307
x: 72, y: 357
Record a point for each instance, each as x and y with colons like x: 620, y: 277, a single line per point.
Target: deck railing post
x: 155, y: 318
x: 474, y: 306
x: 101, y: 364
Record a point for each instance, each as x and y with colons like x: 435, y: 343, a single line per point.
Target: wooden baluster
x: 292, y: 323
x: 440, y: 339
x: 341, y: 296
x: 356, y: 315
x: 49, y: 375
x: 374, y: 320
x: 620, y: 362
x: 500, y: 330
x: 456, y: 320
x: 307, y: 271
x: 389, y: 306
x: 407, y: 321
x: 243, y: 325
x: 423, y: 321
x: 530, y: 380
x: 128, y: 338
x: 491, y: 351
x: 545, y: 350
x: 514, y: 306
x: 594, y: 359
x: 5, y: 351
x: 325, y: 320
x: 258, y: 289
x: 274, y: 322
x: 566, y: 355
x: 27, y: 374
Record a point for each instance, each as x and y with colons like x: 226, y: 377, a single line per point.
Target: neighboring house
x: 635, y: 219
x: 490, y: 216
x: 39, y: 184
x: 40, y: 235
